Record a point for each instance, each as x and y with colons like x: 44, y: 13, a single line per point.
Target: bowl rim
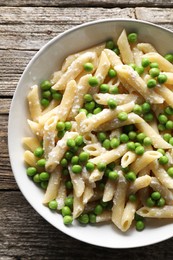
x: 35, y: 56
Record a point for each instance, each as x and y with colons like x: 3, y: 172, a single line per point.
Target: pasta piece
x: 58, y: 151
x: 105, y: 115
x: 166, y: 93
x: 103, y: 68
x: 36, y: 128
x: 144, y: 193
x: 109, y: 190
x: 34, y: 103
x: 137, y: 56
x: 114, y: 59
x: 115, y: 133
x: 146, y: 47
x: 96, y: 175
x: 144, y: 160
x: 56, y: 76
x: 164, y: 212
x: 164, y: 64
x: 119, y: 98
x: 161, y: 174
x: 88, y: 193
x: 94, y: 149
x: 140, y: 183
x: 74, y: 69
x: 128, y: 215
x: 119, y: 201
x: 128, y: 158
x: 78, y: 183
x: 49, y: 136
x: 169, y: 77
x: 53, y: 186
x: 30, y: 159
x: 31, y: 142
x: 90, y: 138
x: 54, y: 103
x: 62, y: 194
x: 124, y: 47
x: 165, y: 192
x: 110, y: 156
x: 103, y: 217
x: 78, y: 206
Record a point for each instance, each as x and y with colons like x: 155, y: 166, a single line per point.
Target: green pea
x: 161, y: 151
x: 101, y: 166
x: 137, y: 109
x: 146, y: 107
x: 110, y: 44
x: 106, y: 144
x: 169, y: 57
x: 88, y: 66
x: 126, y: 169
x: 113, y: 90
x: 71, y: 143
x: 69, y: 202
x: 101, y: 186
x: 148, y: 117
x: 44, y: 184
x: 101, y: 137
x: 139, y: 150
x: 39, y: 152
x: 170, y: 172
x: 169, y: 110
x: 155, y: 195
x: 111, y: 165
x: 131, y: 146
x: 88, y: 98
x: 171, y: 141
x: 36, y: 178
x: 124, y: 138
x: 145, y: 62
x: 132, y: 37
x: 103, y: 203
x: 163, y: 160
x: 132, y: 198
x: 154, y: 72
x: 137, y: 144
x: 132, y: 65
x: 106, y: 172
x: 140, y: 137
x: 138, y: 217
x: 139, y: 70
x: 113, y: 175
x: 68, y: 155
x: 53, y: 204
x: 83, y: 156
x: 154, y: 65
x: 90, y: 166
x: 66, y: 211
x: 162, y: 78
x: 93, y: 81
x: 167, y: 137
x: 98, y: 209
x: 65, y: 172
x: 44, y: 176
x: 150, y: 202
x: 68, y: 126
x: 60, y: 126
x: 79, y: 140
x: 151, y: 83
x: 130, y: 176
x: 57, y: 96
x: 162, y: 119
x: 128, y: 128
x: 41, y: 162
x: 45, y: 102
x: 61, y: 134
x: 31, y: 171
x: 169, y: 125
x: 97, y: 110
x: 89, y: 106
x: 68, y: 220
x: 147, y: 141
x: 46, y: 94
x: 116, y: 50
x: 112, y: 73
x: 83, y: 110
x: 114, y: 143
x: 75, y: 160
x: 140, y: 225
x: 160, y: 202
x: 83, y: 218
x: 89, y: 115
x: 132, y: 135
x: 122, y: 116
x: 45, y: 85
x: 69, y: 185
x: 161, y: 127
x: 76, y: 168
x: 104, y: 88
x: 112, y: 104
x: 92, y: 218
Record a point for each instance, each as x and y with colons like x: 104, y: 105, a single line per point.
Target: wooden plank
x: 26, y: 235
x: 31, y: 28
x: 4, y: 105
x: 96, y: 3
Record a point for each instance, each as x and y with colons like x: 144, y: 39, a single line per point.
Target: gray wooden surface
x: 25, y: 26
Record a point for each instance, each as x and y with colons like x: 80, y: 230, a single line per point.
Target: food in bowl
x: 102, y: 145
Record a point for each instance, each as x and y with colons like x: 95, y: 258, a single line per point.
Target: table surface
x: 25, y: 26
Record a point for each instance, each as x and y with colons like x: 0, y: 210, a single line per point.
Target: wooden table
x: 25, y: 26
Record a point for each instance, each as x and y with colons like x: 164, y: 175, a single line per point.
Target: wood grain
x: 96, y: 3
x: 29, y: 236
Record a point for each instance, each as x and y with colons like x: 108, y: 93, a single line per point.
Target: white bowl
x: 43, y: 64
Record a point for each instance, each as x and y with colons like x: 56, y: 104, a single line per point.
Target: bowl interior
x: 44, y: 63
